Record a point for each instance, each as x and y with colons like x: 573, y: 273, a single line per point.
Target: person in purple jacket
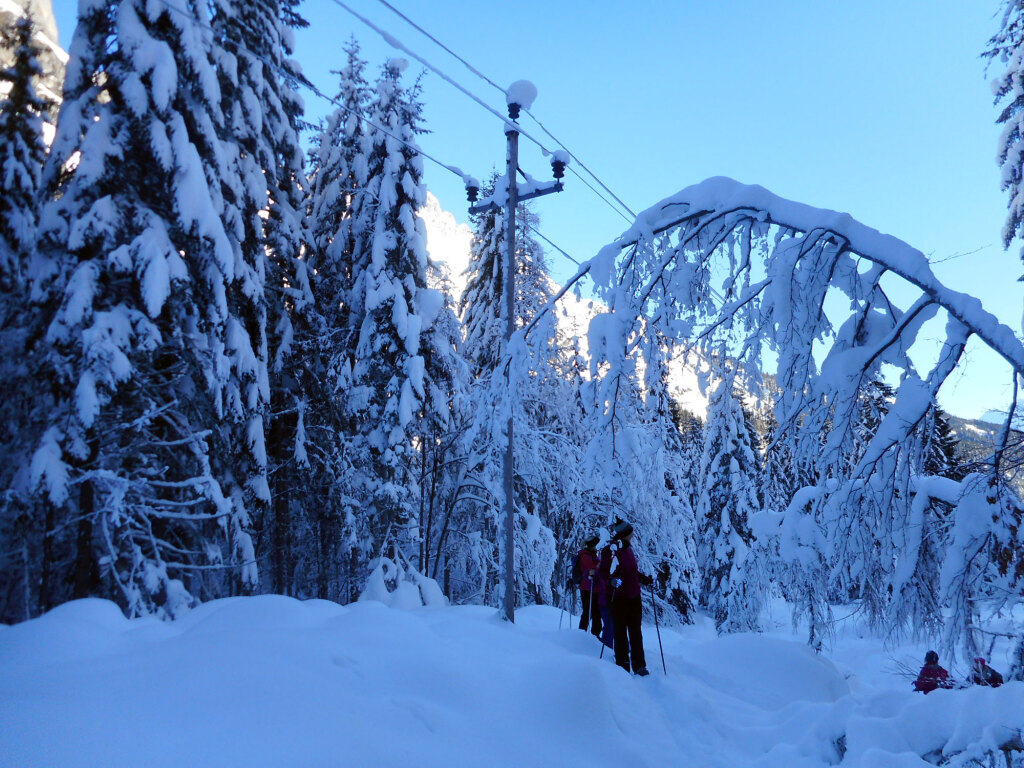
x: 627, y: 607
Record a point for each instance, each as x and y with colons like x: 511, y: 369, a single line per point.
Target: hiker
x: 932, y: 676
x: 627, y: 607
x: 983, y: 674
x: 590, y: 585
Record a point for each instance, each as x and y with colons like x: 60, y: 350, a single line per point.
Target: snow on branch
x: 735, y: 270
x: 720, y: 206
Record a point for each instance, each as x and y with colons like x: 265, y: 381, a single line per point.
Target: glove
x: 616, y: 583
x: 646, y: 580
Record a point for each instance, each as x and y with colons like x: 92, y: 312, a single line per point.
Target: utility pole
x: 519, y: 95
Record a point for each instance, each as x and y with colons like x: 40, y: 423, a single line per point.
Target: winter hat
x: 592, y: 540
x: 621, y: 529
x: 931, y: 658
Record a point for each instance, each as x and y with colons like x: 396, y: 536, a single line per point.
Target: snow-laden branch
x: 719, y: 198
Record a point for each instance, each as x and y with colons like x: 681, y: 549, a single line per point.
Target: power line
x: 307, y: 83
x: 544, y: 128
x: 395, y: 43
x: 543, y: 237
x: 582, y: 165
x: 303, y: 80
x: 441, y: 45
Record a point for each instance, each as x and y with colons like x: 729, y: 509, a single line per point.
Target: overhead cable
x: 541, y: 125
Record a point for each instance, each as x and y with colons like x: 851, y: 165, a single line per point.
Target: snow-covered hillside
x: 271, y: 681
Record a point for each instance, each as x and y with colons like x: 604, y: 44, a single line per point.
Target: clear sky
x: 881, y: 109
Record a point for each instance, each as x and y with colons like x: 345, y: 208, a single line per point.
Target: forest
x: 231, y: 367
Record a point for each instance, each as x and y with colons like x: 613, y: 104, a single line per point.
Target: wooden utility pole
x: 514, y: 197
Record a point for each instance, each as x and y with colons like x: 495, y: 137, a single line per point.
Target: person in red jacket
x: 590, y: 585
x: 983, y: 674
x: 932, y: 676
x: 627, y: 607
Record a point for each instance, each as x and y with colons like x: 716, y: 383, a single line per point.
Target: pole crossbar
x: 489, y: 204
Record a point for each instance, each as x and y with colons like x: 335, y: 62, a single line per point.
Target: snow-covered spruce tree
x: 729, y: 496
x: 138, y: 263
x: 22, y: 154
x: 273, y: 296
x: 385, y: 312
x: 1007, y: 46
x: 674, y: 547
x: 482, y: 304
x: 338, y: 169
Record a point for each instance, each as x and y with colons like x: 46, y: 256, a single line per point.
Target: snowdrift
x: 271, y: 681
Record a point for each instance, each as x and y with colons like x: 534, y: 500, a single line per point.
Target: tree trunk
x: 324, y: 536
x: 47, y: 564
x: 84, y: 561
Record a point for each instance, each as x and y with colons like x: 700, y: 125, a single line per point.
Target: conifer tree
x: 138, y: 264
x: 275, y: 302
x: 1007, y: 45
x: 338, y: 170
x: 22, y: 154
x: 674, y: 546
x: 482, y: 305
x: 728, y: 497
x: 386, y: 313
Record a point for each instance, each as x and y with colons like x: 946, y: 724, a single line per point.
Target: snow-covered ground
x: 271, y: 681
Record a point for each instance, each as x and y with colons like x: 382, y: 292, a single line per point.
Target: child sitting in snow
x: 932, y: 676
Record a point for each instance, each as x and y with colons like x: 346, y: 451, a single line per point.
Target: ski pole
x: 654, y: 602
x: 611, y: 597
x: 590, y: 611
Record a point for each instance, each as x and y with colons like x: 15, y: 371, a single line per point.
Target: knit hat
x: 592, y: 540
x: 621, y: 529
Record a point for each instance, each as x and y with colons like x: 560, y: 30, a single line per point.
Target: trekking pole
x: 655, y: 603
x: 561, y: 613
x: 590, y: 610
x: 611, y: 597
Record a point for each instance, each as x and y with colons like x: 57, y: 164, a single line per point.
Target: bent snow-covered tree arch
x: 734, y: 272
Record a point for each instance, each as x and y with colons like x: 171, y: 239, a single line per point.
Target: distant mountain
x: 978, y: 439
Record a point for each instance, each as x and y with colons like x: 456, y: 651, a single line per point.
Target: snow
x: 521, y: 92
x: 272, y: 681
x: 561, y: 156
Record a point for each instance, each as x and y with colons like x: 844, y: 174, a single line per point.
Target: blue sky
x: 879, y: 109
